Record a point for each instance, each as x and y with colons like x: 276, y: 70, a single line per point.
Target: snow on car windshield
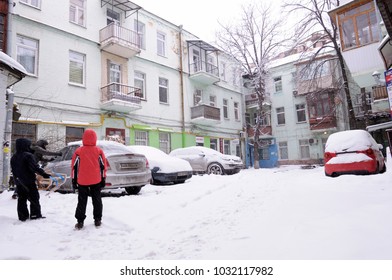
x: 349, y: 141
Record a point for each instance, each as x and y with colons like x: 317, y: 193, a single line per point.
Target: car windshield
x: 113, y: 149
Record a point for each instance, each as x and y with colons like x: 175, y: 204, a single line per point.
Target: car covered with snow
x: 353, y: 152
x: 164, y: 168
x: 210, y: 161
x: 124, y: 169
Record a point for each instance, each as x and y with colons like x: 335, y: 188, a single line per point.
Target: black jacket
x: 23, y: 164
x: 39, y: 151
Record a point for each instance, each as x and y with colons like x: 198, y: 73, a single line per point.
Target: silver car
x: 206, y: 160
x: 125, y: 169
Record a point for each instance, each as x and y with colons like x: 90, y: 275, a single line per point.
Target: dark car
x: 353, y: 152
x: 164, y: 168
x: 125, y: 169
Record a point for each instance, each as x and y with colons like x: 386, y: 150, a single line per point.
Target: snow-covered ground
x: 285, y: 213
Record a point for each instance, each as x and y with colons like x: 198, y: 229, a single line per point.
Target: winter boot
x: 79, y: 225
x: 97, y: 223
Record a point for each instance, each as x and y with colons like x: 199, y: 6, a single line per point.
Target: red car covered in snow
x: 353, y: 152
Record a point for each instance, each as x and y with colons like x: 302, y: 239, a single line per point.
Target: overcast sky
x: 198, y: 17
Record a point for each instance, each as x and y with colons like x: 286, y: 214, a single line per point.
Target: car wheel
x: 215, y: 168
x: 384, y: 168
x: 133, y: 190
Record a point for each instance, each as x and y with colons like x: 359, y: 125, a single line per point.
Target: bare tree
x: 315, y: 19
x: 254, y: 40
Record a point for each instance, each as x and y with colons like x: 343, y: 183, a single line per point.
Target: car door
x: 197, y: 160
x: 63, y: 164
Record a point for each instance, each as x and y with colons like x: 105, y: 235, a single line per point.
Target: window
x: 112, y: 17
x: 283, y: 150
x: 304, y: 148
x: 73, y: 134
x: 115, y: 77
x: 265, y: 119
x: 280, y: 116
x: 76, y: 68
x: 76, y: 11
x: 301, y: 115
x: 140, y: 83
x: 140, y: 28
x: 264, y: 153
x: 316, y: 69
x: 359, y: 26
x: 278, y: 84
x: 320, y: 106
x: 214, y: 144
x: 23, y: 130
x: 161, y: 44
x: 197, y: 97
x: 141, y: 138
x: 164, y: 142
x: 163, y: 90
x: 236, y: 111
x: 213, y: 100
x: 27, y: 54
x: 225, y: 108
x: 34, y: 3
x: 226, y: 147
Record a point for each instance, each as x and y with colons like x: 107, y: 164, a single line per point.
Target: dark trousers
x: 28, y: 193
x: 83, y: 193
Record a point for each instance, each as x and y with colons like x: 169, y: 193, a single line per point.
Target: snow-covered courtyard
x: 285, y: 213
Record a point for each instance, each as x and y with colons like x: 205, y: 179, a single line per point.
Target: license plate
x: 182, y: 174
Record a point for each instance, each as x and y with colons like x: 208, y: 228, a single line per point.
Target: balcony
x: 379, y: 92
x: 205, y: 114
x: 120, y: 98
x: 119, y: 41
x: 325, y: 122
x: 204, y: 73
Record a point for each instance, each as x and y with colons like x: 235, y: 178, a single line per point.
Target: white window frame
x: 32, y: 3
x: 278, y: 84
x: 140, y: 28
x: 161, y: 43
x: 140, y: 77
x: 213, y: 100
x: 31, y: 46
x: 163, y: 89
x: 226, y: 108
x: 197, y: 97
x: 304, y: 148
x: 280, y: 112
x: 164, y: 142
x: 301, y: 111
x: 226, y: 147
x: 77, y: 12
x: 283, y: 150
x: 141, y: 137
x: 110, y: 19
x: 115, y: 77
x: 236, y: 111
x: 78, y: 58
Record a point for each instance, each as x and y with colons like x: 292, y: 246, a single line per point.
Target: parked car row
x: 133, y: 167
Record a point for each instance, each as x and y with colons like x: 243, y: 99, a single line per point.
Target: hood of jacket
x: 41, y: 143
x: 89, y: 138
x: 22, y: 145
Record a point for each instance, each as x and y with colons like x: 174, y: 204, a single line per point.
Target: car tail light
x: 368, y: 152
x: 108, y: 165
x: 147, y: 164
x: 328, y: 156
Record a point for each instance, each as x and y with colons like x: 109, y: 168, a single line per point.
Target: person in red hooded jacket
x: 88, y: 176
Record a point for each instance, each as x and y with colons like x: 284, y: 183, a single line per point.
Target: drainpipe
x: 10, y: 104
x: 182, y: 89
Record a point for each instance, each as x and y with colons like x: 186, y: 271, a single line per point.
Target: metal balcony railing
x: 379, y: 92
x: 122, y: 35
x: 205, y: 111
x: 203, y: 66
x: 120, y: 92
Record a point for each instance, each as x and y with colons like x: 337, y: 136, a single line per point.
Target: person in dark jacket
x: 88, y: 176
x: 24, y: 169
x: 40, y: 152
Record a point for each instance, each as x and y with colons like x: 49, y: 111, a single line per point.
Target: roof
x: 12, y: 63
x: 203, y: 45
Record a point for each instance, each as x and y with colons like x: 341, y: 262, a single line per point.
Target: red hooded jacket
x: 89, y: 161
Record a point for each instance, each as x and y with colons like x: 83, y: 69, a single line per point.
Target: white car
x: 164, y: 168
x: 206, y: 160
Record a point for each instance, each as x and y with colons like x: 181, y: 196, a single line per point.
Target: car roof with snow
x: 350, y: 140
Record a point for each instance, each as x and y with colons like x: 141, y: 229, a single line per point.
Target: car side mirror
x: 380, y: 146
x: 202, y: 155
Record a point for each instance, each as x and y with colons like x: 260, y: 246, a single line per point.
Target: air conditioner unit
x: 312, y: 141
x: 295, y: 93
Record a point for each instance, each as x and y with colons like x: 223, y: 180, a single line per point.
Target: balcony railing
x: 204, y: 72
x: 205, y: 114
x: 119, y: 40
x: 119, y: 97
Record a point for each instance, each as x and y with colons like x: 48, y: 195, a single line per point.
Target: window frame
x: 28, y: 48
x: 164, y: 142
x: 77, y: 11
x: 225, y: 108
x: 300, y: 112
x: 278, y: 85
x: 140, y: 29
x: 83, y: 62
x: 163, y: 89
x: 30, y: 3
x: 283, y: 150
x: 161, y: 44
x: 141, y: 137
x: 279, y: 113
x: 304, y: 148
x: 140, y: 77
x: 236, y: 111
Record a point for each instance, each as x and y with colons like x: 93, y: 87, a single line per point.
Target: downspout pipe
x: 181, y: 70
